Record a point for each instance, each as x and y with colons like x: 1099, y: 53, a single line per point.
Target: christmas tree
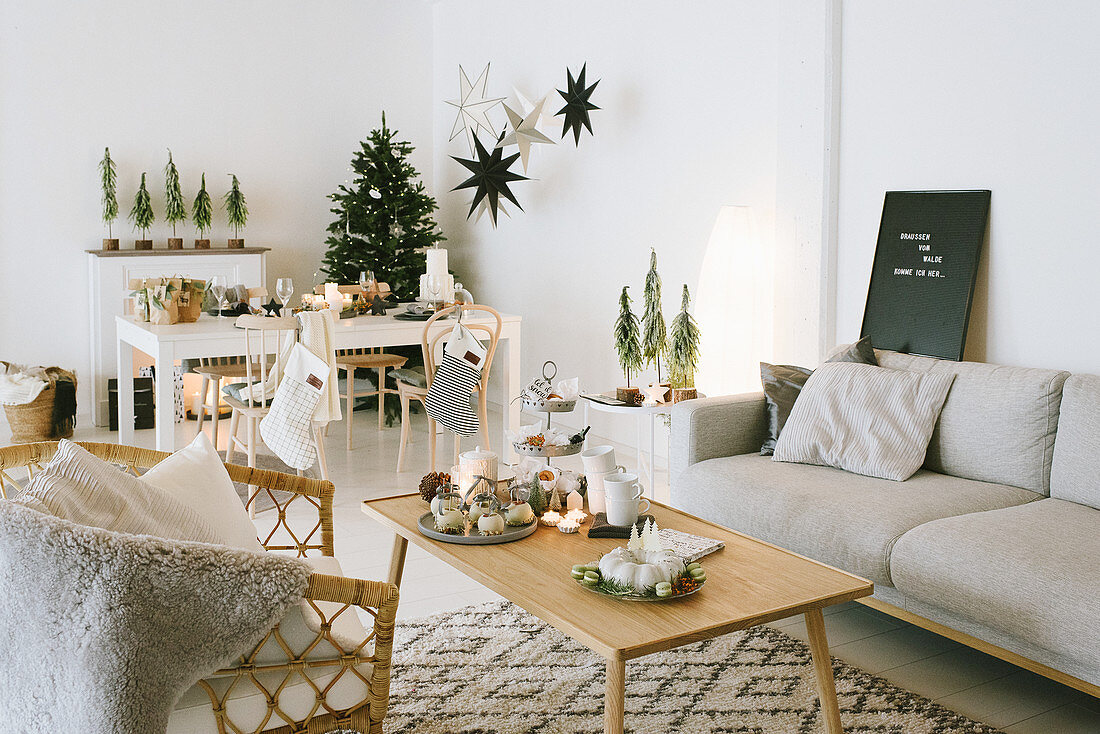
x: 109, y: 179
x: 626, y: 337
x: 384, y: 217
x: 654, y: 338
x: 141, y: 213
x: 175, y: 210
x: 683, y: 349
x: 202, y: 211
x: 236, y: 210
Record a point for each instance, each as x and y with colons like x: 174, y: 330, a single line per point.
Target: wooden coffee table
x: 749, y: 582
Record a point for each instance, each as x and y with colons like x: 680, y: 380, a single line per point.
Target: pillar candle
x: 333, y: 297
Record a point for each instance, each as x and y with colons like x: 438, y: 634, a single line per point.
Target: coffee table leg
x: 613, y: 697
x: 397, y: 559
x: 823, y: 668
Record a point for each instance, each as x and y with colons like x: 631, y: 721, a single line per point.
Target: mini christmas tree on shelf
x: 683, y: 352
x: 141, y: 214
x: 108, y: 177
x: 654, y: 333
x: 236, y: 212
x: 384, y: 217
x: 175, y: 209
x: 202, y: 216
x: 628, y: 347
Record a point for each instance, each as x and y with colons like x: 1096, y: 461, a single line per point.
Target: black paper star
x: 490, y: 179
x: 577, y: 105
x: 378, y: 307
x: 273, y: 308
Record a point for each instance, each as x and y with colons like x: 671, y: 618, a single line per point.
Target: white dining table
x: 211, y: 336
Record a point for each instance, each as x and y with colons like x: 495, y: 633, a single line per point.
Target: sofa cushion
x: 864, y: 419
x: 997, y: 424
x: 1075, y: 472
x: 1029, y: 572
x: 846, y: 520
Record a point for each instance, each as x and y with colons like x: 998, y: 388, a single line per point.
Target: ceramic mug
x: 596, y: 490
x: 624, y: 512
x: 598, y: 459
x: 621, y: 485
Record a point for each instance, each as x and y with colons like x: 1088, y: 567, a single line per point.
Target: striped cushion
x: 864, y: 419
x: 81, y: 488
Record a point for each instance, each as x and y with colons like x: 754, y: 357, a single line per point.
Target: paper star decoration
x: 577, y: 105
x: 484, y: 207
x: 273, y: 308
x: 473, y: 104
x: 524, y: 132
x: 491, y: 178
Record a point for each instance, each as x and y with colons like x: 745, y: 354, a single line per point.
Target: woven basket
x: 33, y: 421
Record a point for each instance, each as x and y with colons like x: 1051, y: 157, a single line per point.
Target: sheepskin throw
x: 101, y: 632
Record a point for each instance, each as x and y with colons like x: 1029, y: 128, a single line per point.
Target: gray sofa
x: 997, y: 536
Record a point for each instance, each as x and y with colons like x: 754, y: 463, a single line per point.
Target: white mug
x: 596, y: 490
x: 624, y: 512
x: 598, y: 459
x: 621, y: 485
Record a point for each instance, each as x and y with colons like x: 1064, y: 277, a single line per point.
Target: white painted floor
x: 970, y: 682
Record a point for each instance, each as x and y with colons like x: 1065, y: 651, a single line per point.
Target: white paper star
x: 472, y: 107
x: 524, y: 131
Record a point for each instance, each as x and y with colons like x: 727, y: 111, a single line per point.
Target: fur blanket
x: 101, y: 632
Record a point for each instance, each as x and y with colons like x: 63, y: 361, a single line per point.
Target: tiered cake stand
x: 549, y: 406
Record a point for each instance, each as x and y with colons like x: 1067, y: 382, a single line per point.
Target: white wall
x: 279, y: 93
x: 982, y: 94
x: 687, y: 124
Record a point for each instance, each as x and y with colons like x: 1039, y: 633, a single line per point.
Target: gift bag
x: 164, y: 300
x: 448, y: 398
x: 189, y: 301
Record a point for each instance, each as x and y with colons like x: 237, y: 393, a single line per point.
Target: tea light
x: 576, y: 516
x: 551, y: 518
x: 568, y: 525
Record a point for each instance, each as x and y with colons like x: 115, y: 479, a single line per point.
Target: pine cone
x: 432, y: 484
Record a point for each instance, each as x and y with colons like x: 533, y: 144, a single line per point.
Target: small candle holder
x: 551, y: 518
x: 568, y: 526
x: 576, y: 516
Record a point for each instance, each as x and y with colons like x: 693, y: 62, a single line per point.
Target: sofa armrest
x: 711, y: 427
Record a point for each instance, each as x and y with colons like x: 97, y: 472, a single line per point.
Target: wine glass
x: 284, y: 289
x: 366, y: 282
x: 217, y: 288
x: 435, y: 288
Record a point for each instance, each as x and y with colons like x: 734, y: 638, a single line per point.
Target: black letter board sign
x: 926, y: 262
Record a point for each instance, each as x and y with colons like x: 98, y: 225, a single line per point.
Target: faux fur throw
x: 102, y: 632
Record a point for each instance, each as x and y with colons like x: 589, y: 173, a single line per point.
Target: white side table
x: 641, y: 413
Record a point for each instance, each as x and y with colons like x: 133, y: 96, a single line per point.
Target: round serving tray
x: 550, y: 405
x: 426, y: 526
x: 637, y: 597
x: 548, y: 451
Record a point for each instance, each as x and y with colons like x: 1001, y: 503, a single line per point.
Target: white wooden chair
x: 408, y: 392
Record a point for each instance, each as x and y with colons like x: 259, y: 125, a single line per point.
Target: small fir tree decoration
x: 141, y: 214
x: 202, y: 215
x: 627, y: 346
x: 383, y: 217
x: 654, y: 333
x: 236, y: 212
x: 175, y: 209
x: 108, y: 177
x: 683, y: 352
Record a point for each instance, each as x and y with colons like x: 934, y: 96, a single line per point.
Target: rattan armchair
x: 328, y: 596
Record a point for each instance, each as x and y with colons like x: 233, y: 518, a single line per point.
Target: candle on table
x: 551, y: 518
x: 333, y: 296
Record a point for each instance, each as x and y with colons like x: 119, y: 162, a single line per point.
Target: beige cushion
x: 196, y: 476
x: 81, y: 488
x: 247, y: 705
x: 997, y: 424
x: 1075, y: 471
x: 1029, y: 572
x: 843, y: 519
x: 863, y: 419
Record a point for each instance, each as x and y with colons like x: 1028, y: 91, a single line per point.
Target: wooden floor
x: 974, y: 684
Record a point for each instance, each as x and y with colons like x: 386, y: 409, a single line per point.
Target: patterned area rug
x: 494, y: 669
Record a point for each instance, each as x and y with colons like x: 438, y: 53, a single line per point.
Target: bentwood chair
x: 318, y: 669
x: 349, y: 360
x: 430, y: 343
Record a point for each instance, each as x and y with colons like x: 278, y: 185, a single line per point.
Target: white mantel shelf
x: 191, y: 251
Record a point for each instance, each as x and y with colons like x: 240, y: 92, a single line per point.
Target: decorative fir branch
x: 202, y: 210
x: 141, y: 214
x: 626, y: 337
x: 236, y: 210
x: 175, y: 209
x: 108, y: 176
